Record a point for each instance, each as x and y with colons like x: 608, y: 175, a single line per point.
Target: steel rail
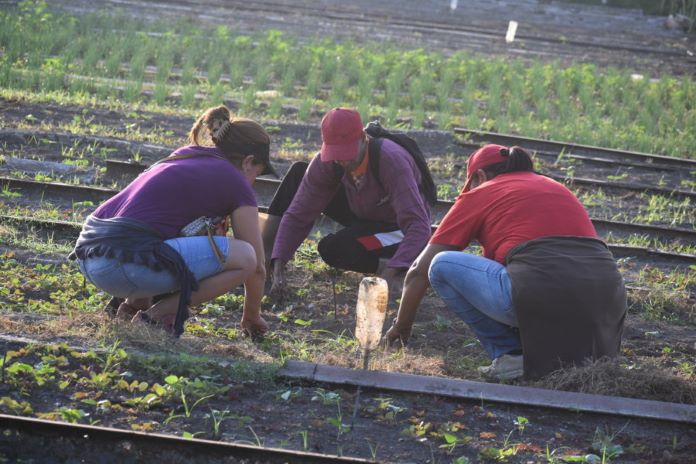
x: 602, y: 156
x: 575, y: 148
x: 618, y: 250
x: 613, y: 185
x: 590, y: 159
x: 481, y: 391
x: 109, y: 438
x: 265, y: 188
x: 121, y: 170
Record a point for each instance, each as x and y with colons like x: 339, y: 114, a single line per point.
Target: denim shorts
x: 128, y: 280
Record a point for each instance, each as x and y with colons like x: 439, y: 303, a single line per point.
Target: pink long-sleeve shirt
x: 397, y: 200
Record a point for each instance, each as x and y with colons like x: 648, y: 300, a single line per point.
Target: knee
x: 328, y: 250
x: 438, y: 268
x: 241, y: 256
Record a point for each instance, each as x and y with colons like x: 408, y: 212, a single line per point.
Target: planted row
x: 117, y: 57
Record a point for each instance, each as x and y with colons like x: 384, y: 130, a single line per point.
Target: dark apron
x: 570, y: 302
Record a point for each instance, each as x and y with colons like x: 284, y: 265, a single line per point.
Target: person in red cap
x: 546, y: 292
x: 385, y: 214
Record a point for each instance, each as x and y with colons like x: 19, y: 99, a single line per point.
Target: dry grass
x: 613, y: 377
x: 409, y: 362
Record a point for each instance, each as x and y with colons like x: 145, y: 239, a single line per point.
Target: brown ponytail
x: 235, y: 137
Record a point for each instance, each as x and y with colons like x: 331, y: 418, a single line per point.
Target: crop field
x: 90, y: 95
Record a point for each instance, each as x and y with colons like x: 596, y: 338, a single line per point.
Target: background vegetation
x: 120, y: 59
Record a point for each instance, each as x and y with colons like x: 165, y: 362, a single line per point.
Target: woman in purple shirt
x: 131, y: 247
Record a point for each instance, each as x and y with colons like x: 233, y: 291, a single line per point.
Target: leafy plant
x: 186, y: 390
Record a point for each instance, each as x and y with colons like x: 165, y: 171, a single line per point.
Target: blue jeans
x: 478, y: 290
x: 129, y: 280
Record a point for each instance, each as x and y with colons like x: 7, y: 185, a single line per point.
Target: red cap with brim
x: 485, y: 156
x: 341, y: 132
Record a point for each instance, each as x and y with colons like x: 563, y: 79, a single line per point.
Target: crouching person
x: 546, y: 293
x: 376, y: 188
x: 131, y: 248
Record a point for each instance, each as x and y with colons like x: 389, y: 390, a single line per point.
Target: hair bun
x: 219, y: 130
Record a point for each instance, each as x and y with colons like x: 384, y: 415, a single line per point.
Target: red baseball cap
x: 485, y: 156
x: 341, y: 132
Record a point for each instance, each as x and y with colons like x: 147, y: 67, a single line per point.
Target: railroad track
x: 579, y: 151
x: 26, y: 439
x: 656, y: 174
x: 265, y: 188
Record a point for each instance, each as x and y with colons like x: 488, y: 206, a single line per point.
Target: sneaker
x: 506, y: 367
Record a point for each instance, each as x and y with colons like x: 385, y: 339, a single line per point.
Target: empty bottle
x: 370, y: 311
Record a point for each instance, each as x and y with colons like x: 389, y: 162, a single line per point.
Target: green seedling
x: 385, y: 409
x: 289, y: 394
x: 216, y: 419
x: 181, y: 388
x: 305, y: 439
x: 13, y: 406
x: 442, y: 323
x: 521, y: 423
x: 603, y: 443
x: 373, y: 449
x: 326, y: 397
x: 257, y: 440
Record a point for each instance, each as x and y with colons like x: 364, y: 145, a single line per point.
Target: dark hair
x: 518, y: 159
x: 235, y: 137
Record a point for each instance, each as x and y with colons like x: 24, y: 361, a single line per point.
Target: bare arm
x: 245, y: 226
x: 415, y: 286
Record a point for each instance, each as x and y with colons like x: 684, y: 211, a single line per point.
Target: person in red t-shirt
x: 527, y: 224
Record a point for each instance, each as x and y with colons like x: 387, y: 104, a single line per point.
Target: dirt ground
x: 390, y: 427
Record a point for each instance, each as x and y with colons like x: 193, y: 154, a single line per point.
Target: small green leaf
x: 159, y: 389
x: 171, y: 379
x: 303, y: 323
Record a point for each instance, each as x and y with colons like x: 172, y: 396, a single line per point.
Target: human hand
x: 254, y: 326
x: 395, y: 334
x: 279, y: 285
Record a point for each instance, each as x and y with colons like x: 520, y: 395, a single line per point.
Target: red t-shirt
x: 511, y: 209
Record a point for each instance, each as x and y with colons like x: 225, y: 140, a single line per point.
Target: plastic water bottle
x: 371, y: 311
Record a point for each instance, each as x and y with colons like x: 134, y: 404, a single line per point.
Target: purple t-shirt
x: 172, y: 194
